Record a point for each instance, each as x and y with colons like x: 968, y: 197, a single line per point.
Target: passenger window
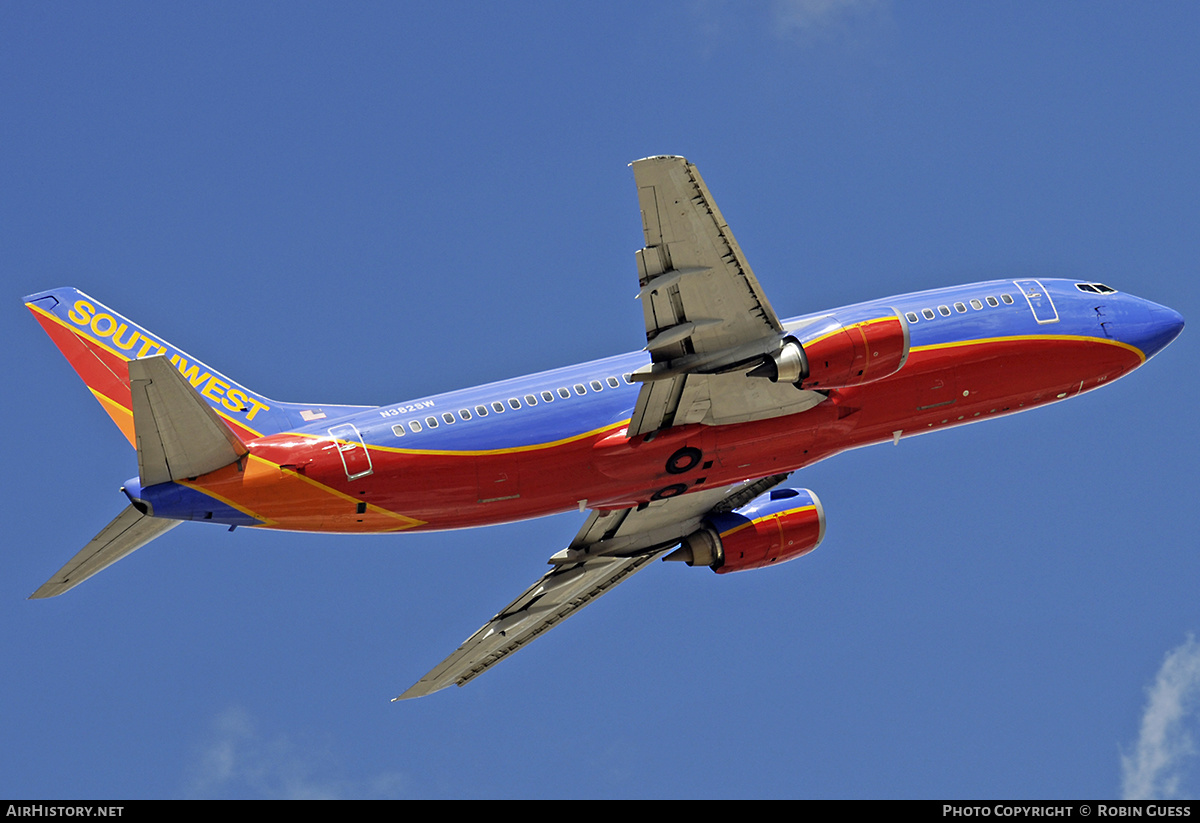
x: 580, y: 389
x: 548, y: 396
x: 431, y: 422
x: 975, y: 304
x: 944, y: 311
x: 612, y: 382
x: 563, y: 393
x: 597, y: 385
x: 464, y: 414
x: 1007, y: 298
x: 928, y: 313
x: 514, y: 403
x: 398, y: 429
x: 414, y: 426
x: 498, y: 407
x: 481, y: 411
x: 530, y: 400
x: 912, y: 317
x: 448, y: 417
x: 993, y: 302
x: 628, y: 378
x: 960, y: 308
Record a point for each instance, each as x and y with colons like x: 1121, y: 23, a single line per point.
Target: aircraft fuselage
x: 555, y: 441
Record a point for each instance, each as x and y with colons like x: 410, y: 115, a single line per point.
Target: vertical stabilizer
x: 98, y: 342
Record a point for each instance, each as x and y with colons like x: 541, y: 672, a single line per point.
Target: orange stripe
x: 264, y: 488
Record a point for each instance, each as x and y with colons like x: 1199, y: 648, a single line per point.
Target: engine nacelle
x: 778, y: 526
x: 836, y: 356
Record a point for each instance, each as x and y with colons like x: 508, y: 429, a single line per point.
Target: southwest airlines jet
x: 680, y: 451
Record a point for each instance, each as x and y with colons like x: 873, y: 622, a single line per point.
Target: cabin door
x: 355, y: 459
x: 1039, y: 301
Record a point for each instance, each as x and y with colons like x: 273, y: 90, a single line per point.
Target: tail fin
x: 98, y: 342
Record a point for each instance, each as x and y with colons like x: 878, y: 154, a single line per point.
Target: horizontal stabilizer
x: 129, y: 532
x: 178, y: 434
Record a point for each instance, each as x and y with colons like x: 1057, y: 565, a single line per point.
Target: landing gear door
x: 355, y: 459
x: 1039, y: 301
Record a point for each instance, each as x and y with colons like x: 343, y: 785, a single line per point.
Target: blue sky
x: 373, y: 202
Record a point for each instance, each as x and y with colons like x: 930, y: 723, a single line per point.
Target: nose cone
x: 1147, y: 325
x: 1162, y: 326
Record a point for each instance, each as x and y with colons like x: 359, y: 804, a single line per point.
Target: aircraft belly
x: 952, y: 385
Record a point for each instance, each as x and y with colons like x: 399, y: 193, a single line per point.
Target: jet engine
x: 831, y: 355
x: 778, y: 526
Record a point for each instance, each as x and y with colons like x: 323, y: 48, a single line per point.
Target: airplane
x: 680, y: 451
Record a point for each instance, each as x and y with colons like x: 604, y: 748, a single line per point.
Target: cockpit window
x: 1095, y: 288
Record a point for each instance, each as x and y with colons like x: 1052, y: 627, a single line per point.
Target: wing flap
x: 706, y: 315
x: 656, y: 405
x: 127, y: 533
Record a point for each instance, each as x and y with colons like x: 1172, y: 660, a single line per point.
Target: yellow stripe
x: 842, y: 328
x: 1039, y: 337
x: 481, y: 452
x: 781, y: 514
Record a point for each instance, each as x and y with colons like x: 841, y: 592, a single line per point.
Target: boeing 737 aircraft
x: 679, y: 451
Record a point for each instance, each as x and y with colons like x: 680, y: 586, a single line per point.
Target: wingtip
x: 659, y: 157
x: 409, y: 693
x: 416, y: 690
x: 52, y: 588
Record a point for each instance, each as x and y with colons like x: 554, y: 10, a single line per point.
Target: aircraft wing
x: 706, y: 315
x: 611, y: 547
